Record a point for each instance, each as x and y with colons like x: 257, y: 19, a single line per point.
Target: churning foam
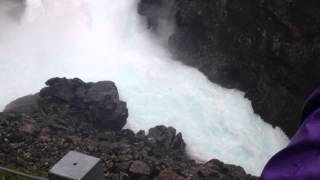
x: 105, y: 40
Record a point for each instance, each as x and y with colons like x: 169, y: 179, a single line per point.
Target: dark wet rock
x: 72, y: 105
x: 268, y: 49
x: 159, y: 12
x: 66, y: 119
x: 64, y: 103
x: 167, y: 137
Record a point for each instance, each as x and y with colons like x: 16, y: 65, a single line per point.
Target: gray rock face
x: 268, y: 49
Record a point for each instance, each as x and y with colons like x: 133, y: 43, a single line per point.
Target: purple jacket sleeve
x: 301, y: 158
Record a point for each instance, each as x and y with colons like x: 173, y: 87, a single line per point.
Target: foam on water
x: 105, y: 40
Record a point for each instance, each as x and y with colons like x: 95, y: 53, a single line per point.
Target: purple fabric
x: 301, y: 158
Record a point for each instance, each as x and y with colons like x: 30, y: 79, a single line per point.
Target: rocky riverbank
x: 69, y: 114
x: 268, y: 49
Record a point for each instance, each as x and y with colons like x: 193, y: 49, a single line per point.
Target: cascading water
x: 105, y: 40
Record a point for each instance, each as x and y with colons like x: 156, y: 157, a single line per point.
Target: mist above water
x: 106, y: 40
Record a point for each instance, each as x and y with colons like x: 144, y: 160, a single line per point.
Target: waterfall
x: 107, y: 40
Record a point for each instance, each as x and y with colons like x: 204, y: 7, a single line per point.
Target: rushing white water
x: 105, y: 40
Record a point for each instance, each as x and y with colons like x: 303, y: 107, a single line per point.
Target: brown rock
x: 140, y: 167
x: 170, y: 175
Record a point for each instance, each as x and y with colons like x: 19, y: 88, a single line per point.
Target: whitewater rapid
x: 106, y: 40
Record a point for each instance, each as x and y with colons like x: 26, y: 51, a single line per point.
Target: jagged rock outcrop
x: 69, y: 114
x: 268, y: 49
x: 68, y: 104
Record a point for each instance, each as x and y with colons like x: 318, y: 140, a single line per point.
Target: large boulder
x: 97, y: 103
x: 73, y: 105
x: 268, y: 49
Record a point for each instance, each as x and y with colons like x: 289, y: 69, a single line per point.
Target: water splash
x: 105, y: 40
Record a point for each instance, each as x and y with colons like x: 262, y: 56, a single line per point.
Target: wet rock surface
x: 268, y: 49
x: 71, y: 105
x: 66, y: 118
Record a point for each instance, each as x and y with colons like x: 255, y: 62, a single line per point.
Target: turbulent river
x: 107, y: 40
